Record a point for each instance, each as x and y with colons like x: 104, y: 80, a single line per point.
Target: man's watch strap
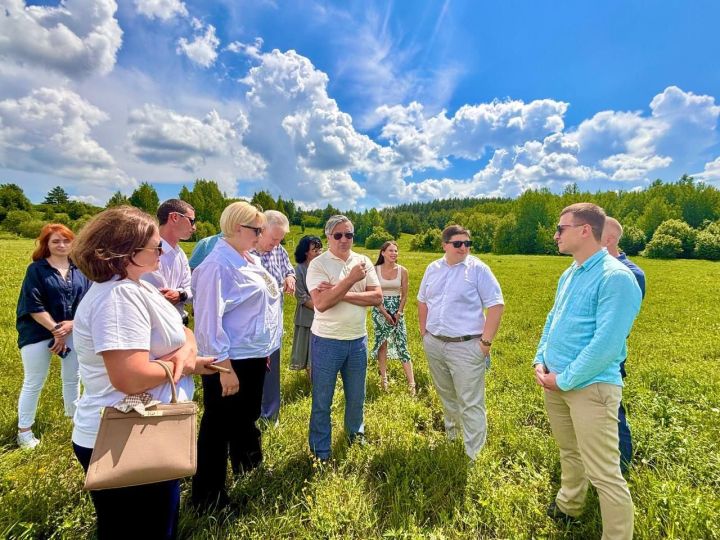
x: 183, y: 296
x: 485, y: 341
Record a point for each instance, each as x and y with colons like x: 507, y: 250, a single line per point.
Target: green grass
x: 410, y: 482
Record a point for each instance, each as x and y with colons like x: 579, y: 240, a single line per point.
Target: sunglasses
x: 158, y: 248
x: 257, y: 230
x: 560, y: 228
x: 460, y: 243
x: 191, y: 220
x: 339, y: 235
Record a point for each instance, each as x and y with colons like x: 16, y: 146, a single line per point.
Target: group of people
x: 134, y: 315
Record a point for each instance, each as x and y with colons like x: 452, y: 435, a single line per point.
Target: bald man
x: 612, y: 233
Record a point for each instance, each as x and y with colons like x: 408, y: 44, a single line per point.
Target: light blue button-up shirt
x: 584, y: 339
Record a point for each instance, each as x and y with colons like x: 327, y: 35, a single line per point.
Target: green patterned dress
x: 395, y: 335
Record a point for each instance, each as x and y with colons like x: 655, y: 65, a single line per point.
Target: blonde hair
x: 239, y: 213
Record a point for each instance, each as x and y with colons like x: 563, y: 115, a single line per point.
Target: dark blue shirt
x: 44, y: 289
x: 635, y: 269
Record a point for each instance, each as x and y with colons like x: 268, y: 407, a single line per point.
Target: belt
x: 458, y: 339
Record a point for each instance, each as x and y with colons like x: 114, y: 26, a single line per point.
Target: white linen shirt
x: 121, y: 315
x: 457, y: 295
x: 344, y: 320
x: 237, y: 306
x: 173, y: 273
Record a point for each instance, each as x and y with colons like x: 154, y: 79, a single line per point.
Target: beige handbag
x: 134, y: 449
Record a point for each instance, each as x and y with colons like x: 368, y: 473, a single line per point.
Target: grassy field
x: 410, y: 482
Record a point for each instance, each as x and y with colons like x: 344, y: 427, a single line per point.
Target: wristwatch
x: 485, y: 342
x: 183, y: 296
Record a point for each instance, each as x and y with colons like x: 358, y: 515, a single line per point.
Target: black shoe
x: 555, y: 513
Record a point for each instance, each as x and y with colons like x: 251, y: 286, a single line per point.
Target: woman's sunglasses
x: 257, y: 230
x: 158, y: 248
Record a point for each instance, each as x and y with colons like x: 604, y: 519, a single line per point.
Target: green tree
x: 207, y: 200
x: 15, y: 218
x: 505, y: 240
x: 56, y: 195
x: 656, y: 211
x: 12, y: 197
x: 533, y: 213
x: 378, y: 237
x: 145, y: 198
x: 707, y: 245
x: 118, y: 199
x: 264, y: 200
x: 430, y: 240
x: 682, y: 231
x: 663, y: 246
x: 632, y: 241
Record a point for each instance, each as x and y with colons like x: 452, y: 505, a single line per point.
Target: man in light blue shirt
x: 202, y: 249
x: 578, y: 365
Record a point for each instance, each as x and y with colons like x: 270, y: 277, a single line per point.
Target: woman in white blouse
x: 122, y: 328
x: 237, y: 305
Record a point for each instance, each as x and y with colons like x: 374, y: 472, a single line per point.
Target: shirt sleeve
x: 542, y: 345
x: 315, y: 275
x: 121, y: 321
x: 209, y: 307
x: 619, y: 300
x: 185, y: 281
x: 287, y: 268
x: 371, y: 278
x: 31, y: 297
x: 301, y: 291
x: 422, y: 290
x: 488, y: 287
x: 198, y: 253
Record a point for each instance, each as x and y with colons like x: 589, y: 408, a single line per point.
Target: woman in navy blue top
x: 50, y: 294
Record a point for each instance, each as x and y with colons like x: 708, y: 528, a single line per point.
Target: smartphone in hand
x: 61, y: 354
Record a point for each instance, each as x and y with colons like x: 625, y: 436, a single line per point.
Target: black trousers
x: 147, y: 511
x: 228, y: 428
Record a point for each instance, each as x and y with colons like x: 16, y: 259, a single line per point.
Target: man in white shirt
x: 454, y: 295
x: 276, y: 261
x: 342, y: 284
x: 172, y: 278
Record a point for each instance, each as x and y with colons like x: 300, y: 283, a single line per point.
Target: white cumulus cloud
x: 49, y: 131
x: 77, y: 38
x: 161, y: 9
x: 202, y: 50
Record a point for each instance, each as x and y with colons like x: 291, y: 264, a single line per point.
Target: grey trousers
x: 458, y: 372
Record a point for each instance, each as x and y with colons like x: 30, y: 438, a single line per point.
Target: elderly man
x: 342, y: 285
x: 454, y: 295
x: 172, y: 278
x: 612, y: 233
x: 275, y: 260
x: 578, y: 366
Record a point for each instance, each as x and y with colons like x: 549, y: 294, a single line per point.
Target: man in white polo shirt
x: 454, y: 295
x: 172, y: 278
x: 342, y: 284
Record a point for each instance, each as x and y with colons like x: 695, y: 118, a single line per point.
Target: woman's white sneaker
x: 26, y: 440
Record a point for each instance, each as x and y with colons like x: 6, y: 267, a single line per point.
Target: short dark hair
x: 305, y: 244
x: 587, y: 213
x: 104, y: 247
x: 452, y: 230
x: 170, y: 206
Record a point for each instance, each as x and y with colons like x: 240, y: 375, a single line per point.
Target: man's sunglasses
x: 460, y: 243
x: 339, y: 235
x: 191, y: 220
x: 257, y: 230
x: 560, y: 228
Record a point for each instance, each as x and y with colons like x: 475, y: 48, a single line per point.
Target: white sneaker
x: 26, y: 440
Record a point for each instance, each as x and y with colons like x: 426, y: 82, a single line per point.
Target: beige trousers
x: 584, y: 424
x: 458, y: 372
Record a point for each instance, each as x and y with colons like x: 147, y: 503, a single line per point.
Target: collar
x: 166, y: 243
x: 331, y: 255
x: 592, y: 260
x: 463, y: 262
x: 44, y: 262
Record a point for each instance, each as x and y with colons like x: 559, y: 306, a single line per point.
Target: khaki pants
x: 584, y: 424
x: 458, y: 371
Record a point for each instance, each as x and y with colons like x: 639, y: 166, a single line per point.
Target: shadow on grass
x: 418, y: 486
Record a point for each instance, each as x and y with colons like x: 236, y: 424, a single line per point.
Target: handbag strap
x: 170, y: 378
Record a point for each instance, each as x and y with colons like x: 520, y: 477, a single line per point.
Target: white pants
x: 36, y: 364
x: 458, y: 371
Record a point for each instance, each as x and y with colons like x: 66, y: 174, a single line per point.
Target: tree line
x: 666, y: 220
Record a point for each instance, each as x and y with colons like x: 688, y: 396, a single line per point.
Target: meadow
x: 409, y: 481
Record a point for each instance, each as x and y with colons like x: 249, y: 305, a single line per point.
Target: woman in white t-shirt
x: 238, y: 308
x: 122, y: 327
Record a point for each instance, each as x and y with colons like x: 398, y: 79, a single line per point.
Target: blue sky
x: 359, y: 104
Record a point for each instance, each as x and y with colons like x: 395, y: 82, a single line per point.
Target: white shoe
x: 26, y: 440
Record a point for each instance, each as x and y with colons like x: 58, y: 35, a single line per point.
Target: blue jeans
x: 330, y: 357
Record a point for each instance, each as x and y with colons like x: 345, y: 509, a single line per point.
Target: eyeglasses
x: 257, y: 230
x: 460, y: 243
x: 560, y: 228
x: 191, y: 220
x: 158, y: 248
x: 339, y: 235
